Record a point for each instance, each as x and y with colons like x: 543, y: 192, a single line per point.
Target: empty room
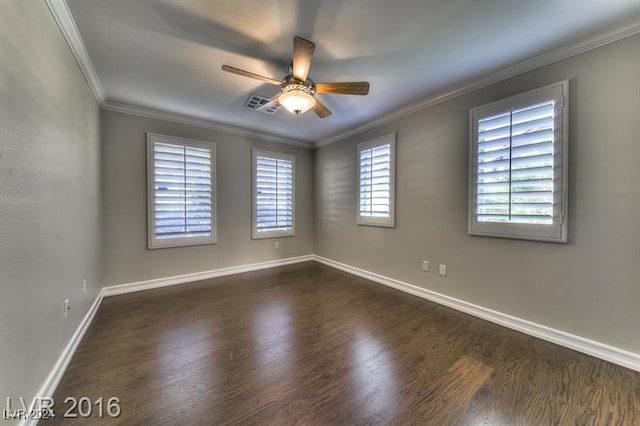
x: 320, y: 212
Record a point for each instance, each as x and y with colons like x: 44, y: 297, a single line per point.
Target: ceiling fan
x: 297, y: 91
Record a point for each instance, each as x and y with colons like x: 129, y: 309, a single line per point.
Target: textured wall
x: 589, y: 287
x: 126, y: 258
x: 49, y: 196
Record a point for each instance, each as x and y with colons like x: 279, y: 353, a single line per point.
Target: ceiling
x: 166, y: 55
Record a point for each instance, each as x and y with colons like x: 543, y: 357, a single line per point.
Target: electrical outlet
x: 443, y: 270
x: 84, y: 286
x: 425, y: 265
x: 67, y: 307
x: 276, y: 244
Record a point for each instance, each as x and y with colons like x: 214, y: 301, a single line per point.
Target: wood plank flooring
x: 307, y: 344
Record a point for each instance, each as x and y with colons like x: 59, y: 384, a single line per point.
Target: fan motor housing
x: 290, y: 83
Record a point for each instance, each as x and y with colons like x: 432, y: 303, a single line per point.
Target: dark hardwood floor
x: 307, y: 344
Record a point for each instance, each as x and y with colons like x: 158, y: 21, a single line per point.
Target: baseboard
x: 590, y: 347
x: 55, y: 375
x: 204, y: 275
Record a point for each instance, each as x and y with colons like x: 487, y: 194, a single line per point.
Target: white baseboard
x: 53, y: 379
x: 204, y: 275
x: 590, y: 347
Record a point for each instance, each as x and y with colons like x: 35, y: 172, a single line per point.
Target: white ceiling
x: 166, y: 55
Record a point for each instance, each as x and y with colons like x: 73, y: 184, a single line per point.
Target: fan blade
x: 351, y: 88
x: 321, y: 110
x: 274, y: 102
x: 302, y: 53
x: 244, y: 73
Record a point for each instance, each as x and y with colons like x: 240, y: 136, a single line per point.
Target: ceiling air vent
x: 255, y: 102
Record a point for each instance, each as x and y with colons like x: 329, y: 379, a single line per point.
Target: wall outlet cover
x: 443, y: 270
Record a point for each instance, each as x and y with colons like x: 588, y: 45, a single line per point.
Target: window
x: 518, y: 166
x: 273, y: 195
x: 376, y: 198
x: 181, y: 192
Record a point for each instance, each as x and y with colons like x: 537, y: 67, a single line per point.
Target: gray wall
x: 49, y: 196
x: 589, y: 287
x: 126, y: 258
x: 52, y: 151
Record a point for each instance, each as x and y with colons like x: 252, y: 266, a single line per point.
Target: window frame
x: 156, y: 243
x: 255, y: 233
x: 386, y: 222
x: 557, y: 231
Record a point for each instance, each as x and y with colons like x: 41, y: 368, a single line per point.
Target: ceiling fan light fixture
x: 297, y: 101
x: 297, y: 89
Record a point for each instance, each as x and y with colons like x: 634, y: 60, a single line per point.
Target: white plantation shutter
x: 518, y: 170
x: 376, y: 181
x: 181, y: 192
x: 375, y: 164
x: 515, y: 165
x: 273, y: 201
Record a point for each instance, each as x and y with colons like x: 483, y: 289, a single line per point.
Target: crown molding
x: 61, y: 13
x: 198, y: 122
x: 620, y: 32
